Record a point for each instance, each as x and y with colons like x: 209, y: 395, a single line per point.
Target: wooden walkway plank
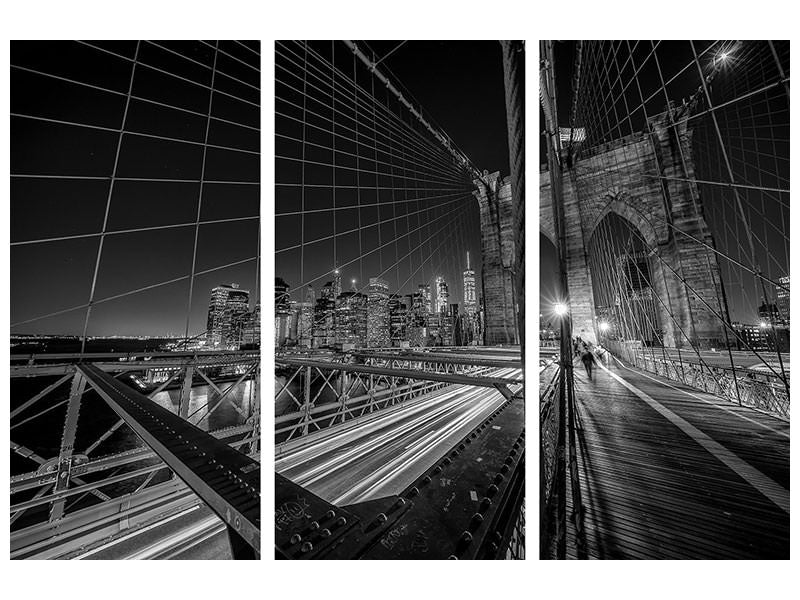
x: 661, y: 469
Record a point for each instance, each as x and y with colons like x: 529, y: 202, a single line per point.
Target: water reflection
x: 206, y: 411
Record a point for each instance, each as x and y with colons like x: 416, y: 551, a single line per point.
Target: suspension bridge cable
x: 133, y: 96
x: 200, y: 194
x: 108, y: 201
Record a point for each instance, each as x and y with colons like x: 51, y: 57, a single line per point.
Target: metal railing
x: 747, y: 387
x: 318, y: 394
x: 558, y: 464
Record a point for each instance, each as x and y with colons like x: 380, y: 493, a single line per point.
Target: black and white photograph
x: 399, y: 300
x: 664, y: 299
x: 134, y: 300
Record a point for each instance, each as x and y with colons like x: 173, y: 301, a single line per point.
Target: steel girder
x: 226, y: 480
x: 67, y: 468
x: 403, y: 373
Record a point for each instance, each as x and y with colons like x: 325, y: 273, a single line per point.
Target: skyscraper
x: 324, y: 327
x: 337, y: 284
x: 237, y: 307
x: 398, y: 320
x: 470, y: 303
x: 283, y: 313
x: 328, y: 291
x: 416, y: 328
x: 425, y: 292
x: 378, y: 313
x: 442, y: 295
x: 305, y: 319
x: 782, y: 298
x: 351, y: 319
x: 228, y: 304
x: 251, y: 328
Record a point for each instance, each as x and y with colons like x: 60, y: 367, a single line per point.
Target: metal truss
x: 90, y: 496
x: 226, y: 480
x: 326, y: 393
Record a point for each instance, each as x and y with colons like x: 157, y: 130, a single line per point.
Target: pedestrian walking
x: 587, y: 358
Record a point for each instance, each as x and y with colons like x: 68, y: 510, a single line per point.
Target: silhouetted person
x: 587, y: 358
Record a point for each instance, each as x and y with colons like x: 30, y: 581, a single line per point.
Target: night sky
x: 754, y: 130
x: 396, y: 176
x: 61, y: 178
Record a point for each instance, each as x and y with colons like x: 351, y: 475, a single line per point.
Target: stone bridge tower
x: 626, y: 177
x: 498, y: 245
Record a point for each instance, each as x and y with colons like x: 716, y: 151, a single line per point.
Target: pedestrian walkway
x: 669, y: 472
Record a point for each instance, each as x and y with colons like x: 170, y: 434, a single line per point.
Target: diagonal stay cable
x: 356, y: 229
x: 134, y: 291
x: 133, y: 230
x: 133, y: 96
x: 108, y: 201
x: 200, y: 193
x: 131, y: 132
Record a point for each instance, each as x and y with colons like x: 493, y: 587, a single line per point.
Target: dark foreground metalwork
x: 468, y: 505
x: 226, y: 480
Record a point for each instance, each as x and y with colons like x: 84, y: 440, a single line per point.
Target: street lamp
x: 604, y: 326
x: 560, y: 309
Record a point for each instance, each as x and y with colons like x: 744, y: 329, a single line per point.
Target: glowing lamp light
x: 560, y: 309
x: 604, y: 326
x: 763, y: 325
x: 724, y: 56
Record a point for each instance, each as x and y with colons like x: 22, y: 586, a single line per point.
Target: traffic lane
x: 385, y: 465
x: 319, y: 461
x: 397, y: 472
x: 379, y: 424
x: 187, y: 529
x: 328, y: 447
x: 384, y: 457
x: 393, y: 468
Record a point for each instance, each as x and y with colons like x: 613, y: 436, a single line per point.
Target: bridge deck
x: 668, y: 472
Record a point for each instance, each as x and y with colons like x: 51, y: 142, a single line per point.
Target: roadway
x: 720, y: 358
x: 192, y: 534
x: 383, y: 453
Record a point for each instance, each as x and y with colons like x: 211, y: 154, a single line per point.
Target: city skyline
x: 377, y: 317
x: 371, y: 197
x: 455, y: 292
